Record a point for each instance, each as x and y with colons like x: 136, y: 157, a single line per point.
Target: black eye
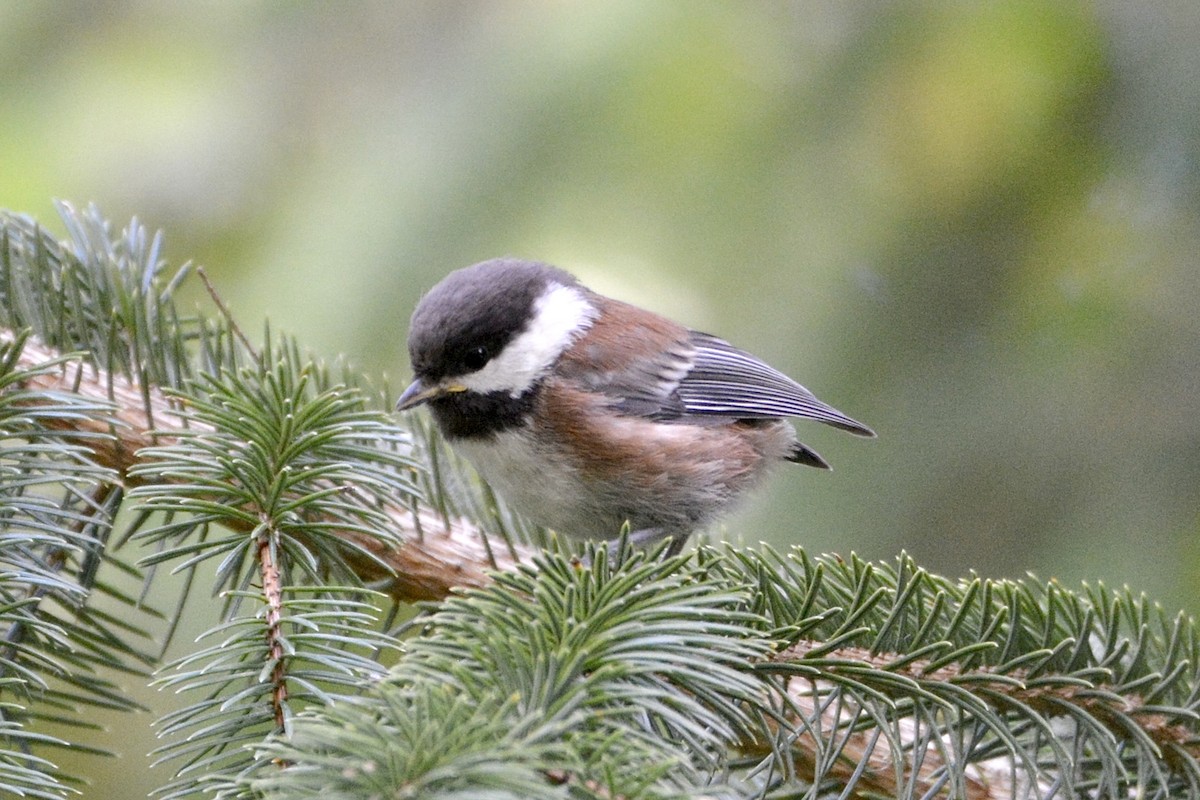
x: 476, y: 357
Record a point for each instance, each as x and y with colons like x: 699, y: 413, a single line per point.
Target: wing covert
x: 652, y: 367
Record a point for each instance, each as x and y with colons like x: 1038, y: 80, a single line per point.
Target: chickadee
x: 586, y: 413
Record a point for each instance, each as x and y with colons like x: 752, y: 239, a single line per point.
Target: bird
x: 588, y: 414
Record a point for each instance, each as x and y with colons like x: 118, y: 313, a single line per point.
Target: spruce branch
x: 1091, y: 692
x: 438, y: 554
x: 199, y: 429
x: 1048, y: 696
x: 646, y: 649
x: 128, y: 357
x: 56, y: 511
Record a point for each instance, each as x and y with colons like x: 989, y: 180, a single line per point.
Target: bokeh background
x: 973, y: 226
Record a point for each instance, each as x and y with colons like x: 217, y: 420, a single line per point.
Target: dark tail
x: 803, y: 454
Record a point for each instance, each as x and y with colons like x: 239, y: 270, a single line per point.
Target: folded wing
x: 725, y: 381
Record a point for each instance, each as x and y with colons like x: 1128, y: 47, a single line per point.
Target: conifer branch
x: 1109, y: 705
x: 870, y: 759
x: 439, y: 554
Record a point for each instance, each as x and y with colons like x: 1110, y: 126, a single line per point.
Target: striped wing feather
x: 726, y: 381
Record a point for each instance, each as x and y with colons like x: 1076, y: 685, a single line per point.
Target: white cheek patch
x: 559, y: 315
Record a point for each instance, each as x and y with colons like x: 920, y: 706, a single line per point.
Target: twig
x: 273, y: 595
x: 227, y: 314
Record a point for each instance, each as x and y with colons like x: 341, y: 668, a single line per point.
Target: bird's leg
x: 678, y: 540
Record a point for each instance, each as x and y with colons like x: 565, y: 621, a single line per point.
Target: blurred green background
x: 971, y: 225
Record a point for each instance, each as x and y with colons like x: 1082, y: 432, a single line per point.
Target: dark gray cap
x: 483, y: 305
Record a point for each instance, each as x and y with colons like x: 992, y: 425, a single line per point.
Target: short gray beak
x: 418, y: 393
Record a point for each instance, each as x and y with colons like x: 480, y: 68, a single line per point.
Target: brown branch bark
x: 273, y: 594
x: 434, y: 558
